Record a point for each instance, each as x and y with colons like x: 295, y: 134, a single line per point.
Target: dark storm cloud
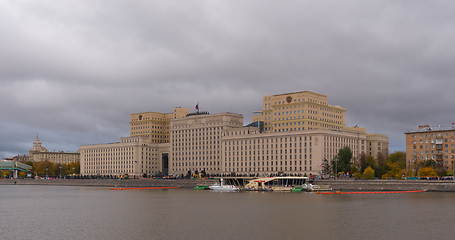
x: 72, y: 71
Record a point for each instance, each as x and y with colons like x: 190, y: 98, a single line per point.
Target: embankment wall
x: 380, y: 185
x: 181, y: 183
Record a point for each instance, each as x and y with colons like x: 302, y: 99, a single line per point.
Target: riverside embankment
x: 338, y: 185
x: 389, y: 185
x: 180, y: 183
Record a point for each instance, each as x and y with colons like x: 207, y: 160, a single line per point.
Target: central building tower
x: 195, y: 141
x: 297, y: 111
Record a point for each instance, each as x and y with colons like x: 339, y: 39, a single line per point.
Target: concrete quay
x: 337, y: 185
x: 180, y: 183
x: 389, y: 185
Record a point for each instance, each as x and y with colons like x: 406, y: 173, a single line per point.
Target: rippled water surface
x: 57, y: 212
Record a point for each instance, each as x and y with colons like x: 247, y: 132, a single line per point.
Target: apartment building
x: 428, y: 143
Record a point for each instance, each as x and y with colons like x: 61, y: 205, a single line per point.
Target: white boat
x: 223, y: 187
x: 308, y: 187
x: 316, y: 188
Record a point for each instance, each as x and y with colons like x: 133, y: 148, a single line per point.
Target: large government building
x: 144, y: 152
x: 428, y: 143
x: 293, y: 134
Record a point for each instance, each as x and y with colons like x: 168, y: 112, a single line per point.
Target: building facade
x: 377, y: 146
x: 231, y: 148
x: 294, y: 134
x: 298, y: 111
x: 426, y: 144
x: 133, y: 156
x: 144, y: 152
x: 196, y: 142
x: 247, y: 150
x: 154, y: 124
x: 39, y: 153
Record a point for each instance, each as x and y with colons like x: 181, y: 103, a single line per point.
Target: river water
x: 59, y: 212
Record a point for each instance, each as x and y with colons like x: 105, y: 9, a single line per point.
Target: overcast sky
x: 72, y: 71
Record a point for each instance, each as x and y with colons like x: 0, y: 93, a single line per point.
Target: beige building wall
x: 298, y: 111
x: 55, y: 157
x: 196, y: 142
x: 301, y: 130
x: 154, y: 124
x: 427, y: 144
x: 139, y: 154
x: 134, y: 156
x: 377, y: 145
x: 246, y: 151
x: 40, y: 153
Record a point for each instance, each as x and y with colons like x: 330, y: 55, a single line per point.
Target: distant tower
x: 37, y: 146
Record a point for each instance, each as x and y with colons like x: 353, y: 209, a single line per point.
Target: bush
x: 427, y: 172
x: 368, y: 173
x: 357, y: 175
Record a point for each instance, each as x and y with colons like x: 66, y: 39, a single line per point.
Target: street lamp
x: 47, y: 176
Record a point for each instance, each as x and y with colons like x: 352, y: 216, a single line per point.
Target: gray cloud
x: 72, y: 71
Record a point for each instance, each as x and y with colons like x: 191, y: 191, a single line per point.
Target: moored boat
x: 201, y: 187
x: 221, y: 187
x: 277, y: 184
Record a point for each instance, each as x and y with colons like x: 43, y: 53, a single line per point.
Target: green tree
x: 354, y: 170
x: 395, y: 166
x: 357, y: 175
x: 45, y: 168
x: 363, y: 162
x: 369, y: 173
x: 54, y: 169
x: 326, y: 168
x: 394, y: 171
x: 73, y: 168
x: 398, y: 157
x: 381, y: 167
x: 438, y: 167
x: 343, y: 160
x: 427, y: 172
x: 22, y: 174
x: 5, y: 173
x: 370, y: 162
